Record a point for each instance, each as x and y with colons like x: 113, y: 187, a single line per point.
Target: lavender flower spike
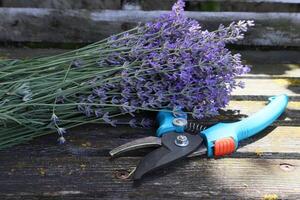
x: 172, y: 62
x: 164, y: 64
x: 133, y: 123
x: 61, y: 131
x: 178, y: 7
x: 54, y: 119
x: 61, y: 140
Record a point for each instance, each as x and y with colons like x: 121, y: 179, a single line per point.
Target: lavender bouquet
x: 168, y: 63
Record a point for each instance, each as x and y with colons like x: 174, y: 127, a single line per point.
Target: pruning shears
x: 176, y: 136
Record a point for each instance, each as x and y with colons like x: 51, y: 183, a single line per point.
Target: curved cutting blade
x: 136, y: 144
x: 167, y: 154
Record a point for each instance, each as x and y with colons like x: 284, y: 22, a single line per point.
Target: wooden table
x: 266, y: 166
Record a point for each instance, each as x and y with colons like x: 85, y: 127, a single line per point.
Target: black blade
x: 167, y: 154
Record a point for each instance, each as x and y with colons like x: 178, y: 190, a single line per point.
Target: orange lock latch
x: 224, y: 146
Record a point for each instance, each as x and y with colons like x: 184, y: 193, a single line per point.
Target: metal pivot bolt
x: 179, y: 122
x: 182, y: 141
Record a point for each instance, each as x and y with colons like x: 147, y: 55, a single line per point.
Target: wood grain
x: 227, y: 5
x: 252, y: 1
x: 236, y: 110
x: 98, y: 178
x: 233, y: 5
x: 269, y: 87
x: 64, y: 4
x: 278, y: 142
x: 273, y: 71
x: 267, y: 164
x: 81, y: 26
x: 81, y: 169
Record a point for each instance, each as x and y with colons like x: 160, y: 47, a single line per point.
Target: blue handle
x: 165, y: 119
x: 247, y: 127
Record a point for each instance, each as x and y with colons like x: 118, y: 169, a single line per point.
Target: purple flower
x: 114, y: 100
x: 80, y: 108
x: 126, y: 108
x: 98, y: 113
x: 178, y: 7
x: 91, y: 98
x: 61, y: 131
x: 88, y: 111
x: 146, y: 123
x: 100, y: 92
x: 61, y: 140
x: 77, y: 63
x: 133, y: 123
x: 106, y: 118
x: 170, y: 62
x: 54, y: 118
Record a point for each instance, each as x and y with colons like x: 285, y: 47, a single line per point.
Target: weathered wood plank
x: 268, y: 87
x: 89, y: 4
x: 215, y: 5
x: 63, y: 4
x: 252, y: 1
x: 282, y: 61
x: 245, y: 6
x: 59, y: 173
x: 81, y: 169
x: 227, y: 5
x: 50, y: 25
x: 236, y: 110
x: 274, y: 71
x: 25, y: 53
x: 271, y: 56
x: 280, y: 140
x: 97, y: 177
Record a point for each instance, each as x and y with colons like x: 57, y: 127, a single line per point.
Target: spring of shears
x: 194, y: 127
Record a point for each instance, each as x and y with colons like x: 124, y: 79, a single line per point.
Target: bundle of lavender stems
x: 169, y: 63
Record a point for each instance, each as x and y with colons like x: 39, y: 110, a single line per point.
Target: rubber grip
x: 247, y: 127
x: 262, y: 119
